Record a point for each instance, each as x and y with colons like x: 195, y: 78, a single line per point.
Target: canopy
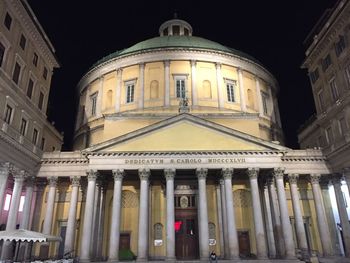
x: 26, y: 235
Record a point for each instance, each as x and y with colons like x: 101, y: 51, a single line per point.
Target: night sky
x: 273, y: 32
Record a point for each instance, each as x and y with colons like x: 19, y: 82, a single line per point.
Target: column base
x: 170, y: 259
x: 113, y: 260
x: 141, y: 259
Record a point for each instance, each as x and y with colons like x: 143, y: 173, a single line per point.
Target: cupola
x: 175, y: 27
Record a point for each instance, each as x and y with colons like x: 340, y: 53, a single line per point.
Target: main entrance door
x: 186, y: 231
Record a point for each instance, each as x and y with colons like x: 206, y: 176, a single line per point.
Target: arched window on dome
x: 109, y: 99
x: 206, y: 87
x: 154, y: 89
x: 250, y: 98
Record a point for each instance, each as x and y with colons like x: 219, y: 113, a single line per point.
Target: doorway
x: 244, y: 243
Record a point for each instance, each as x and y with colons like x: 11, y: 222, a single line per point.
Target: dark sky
x: 271, y: 31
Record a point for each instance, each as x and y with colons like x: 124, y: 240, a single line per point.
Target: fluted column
x: 50, y: 205
x: 344, y: 220
x: 72, y: 214
x: 241, y: 90
x: 219, y: 85
x: 323, y: 228
x: 118, y: 89
x: 193, y: 83
x: 224, y: 218
x: 286, y: 226
x: 258, y: 217
x: 269, y: 223
x: 170, y: 214
x: 142, y: 254
x: 299, y: 222
x: 142, y: 84
x: 233, y: 252
x: 4, y: 173
x: 167, y: 83
x: 220, y: 222
x: 88, y: 216
x: 113, y: 254
x: 27, y: 203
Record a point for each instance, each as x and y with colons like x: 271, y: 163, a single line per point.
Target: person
x: 213, y: 257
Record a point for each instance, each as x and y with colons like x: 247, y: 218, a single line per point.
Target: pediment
x: 185, y: 132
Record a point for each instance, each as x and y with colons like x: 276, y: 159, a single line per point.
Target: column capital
x: 119, y: 71
x: 218, y: 65
x: 169, y: 174
x: 166, y: 63
x: 315, y: 178
x: 202, y: 173
x: 144, y: 174
x: 30, y: 181
x: 336, y: 178
x: 239, y: 70
x: 253, y: 173
x: 346, y: 172
x: 19, y: 175
x: 5, y: 168
x: 52, y: 181
x: 118, y: 174
x: 278, y: 173
x: 227, y: 173
x: 193, y: 62
x: 142, y: 65
x: 293, y: 178
x: 75, y: 181
x: 92, y: 175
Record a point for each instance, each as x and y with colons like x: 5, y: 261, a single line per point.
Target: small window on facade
x: 21, y: 203
x: 35, y: 136
x: 16, y: 73
x: 165, y: 31
x: 342, y: 126
x: 180, y: 88
x: 22, y: 42
x: 321, y: 100
x: 35, y: 59
x: 45, y: 73
x: 30, y: 88
x: 130, y: 90
x: 264, y: 98
x: 7, y: 202
x: 230, y: 87
x: 314, y: 75
x: 186, y: 32
x: 42, y: 144
x: 93, y: 100
x: 326, y: 62
x: 340, y: 45
x: 41, y: 100
x: 176, y: 30
x: 8, y: 114
x: 23, y: 127
x: 334, y: 89
x: 329, y: 135
x: 2, y: 53
x: 8, y: 21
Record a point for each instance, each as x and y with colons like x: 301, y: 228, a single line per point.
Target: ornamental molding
x: 202, y: 173
x: 118, y: 174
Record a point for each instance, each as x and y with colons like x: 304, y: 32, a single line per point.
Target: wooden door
x: 244, y: 243
x: 124, y: 241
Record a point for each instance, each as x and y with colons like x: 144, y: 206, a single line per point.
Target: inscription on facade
x: 185, y: 161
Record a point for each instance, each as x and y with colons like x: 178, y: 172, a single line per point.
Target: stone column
x: 269, y: 224
x: 18, y: 177
x: 170, y: 214
x: 203, y: 214
x: 233, y: 252
x: 344, y: 220
x: 224, y: 218
x: 286, y: 226
x: 276, y: 219
x: 258, y: 218
x: 219, y: 85
x: 39, y: 196
x: 88, y: 217
x: 142, y: 84
x: 96, y: 219
x: 142, y: 254
x: 299, y: 222
x: 72, y: 215
x: 220, y: 222
x: 4, y: 173
x: 113, y: 254
x: 323, y: 229
x: 193, y: 83
x: 258, y: 94
x: 167, y: 83
x: 346, y: 174
x: 118, y: 89
x: 100, y: 236
x: 50, y: 205
x: 241, y: 90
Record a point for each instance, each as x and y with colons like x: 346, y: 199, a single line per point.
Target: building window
x: 35, y: 136
x: 41, y: 100
x: 8, y: 21
x: 314, y: 75
x: 23, y: 128
x: 230, y: 87
x: 22, y: 42
x: 334, y: 89
x: 340, y: 46
x: 7, y: 202
x: 342, y: 126
x: 16, y: 73
x: 8, y: 114
x: 165, y: 31
x: 321, y: 100
x: 186, y: 32
x: 130, y: 91
x: 329, y: 135
x: 21, y: 203
x: 180, y: 88
x: 2, y: 53
x: 42, y: 144
x: 176, y: 30
x: 45, y: 73
x: 326, y: 62
x: 93, y: 99
x: 35, y: 59
x: 264, y: 98
x: 30, y: 88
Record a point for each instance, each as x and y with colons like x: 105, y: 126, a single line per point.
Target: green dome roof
x: 189, y: 42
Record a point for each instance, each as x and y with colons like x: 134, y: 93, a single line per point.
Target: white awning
x: 27, y: 235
